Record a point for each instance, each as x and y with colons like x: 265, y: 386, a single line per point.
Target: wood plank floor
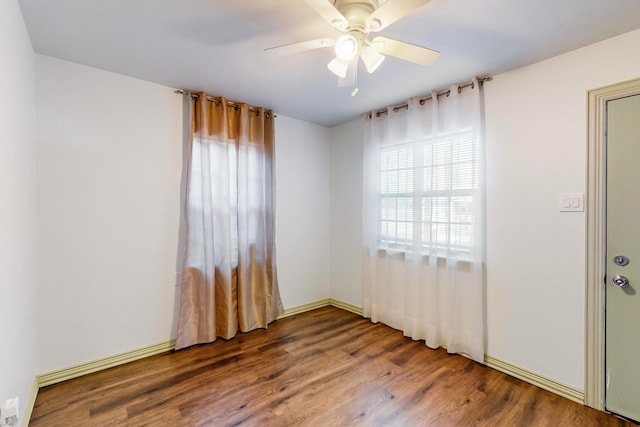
x: 327, y: 367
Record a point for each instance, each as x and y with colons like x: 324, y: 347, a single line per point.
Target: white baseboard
x: 346, y: 306
x: 536, y: 379
x: 60, y: 375
x: 319, y: 304
x: 71, y: 372
x: 549, y: 384
x: 306, y: 307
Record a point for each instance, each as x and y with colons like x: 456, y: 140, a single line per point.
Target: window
x: 427, y: 192
x: 214, y: 182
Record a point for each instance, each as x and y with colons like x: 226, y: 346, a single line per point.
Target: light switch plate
x: 571, y: 202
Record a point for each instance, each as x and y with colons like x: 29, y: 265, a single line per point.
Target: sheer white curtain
x: 423, y: 210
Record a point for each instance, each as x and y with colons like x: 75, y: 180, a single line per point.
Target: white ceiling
x: 217, y: 45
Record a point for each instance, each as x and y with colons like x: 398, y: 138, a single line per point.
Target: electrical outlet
x: 9, y: 412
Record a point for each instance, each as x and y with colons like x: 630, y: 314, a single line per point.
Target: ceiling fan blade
x: 407, y: 51
x: 300, y: 47
x: 390, y: 12
x: 332, y: 15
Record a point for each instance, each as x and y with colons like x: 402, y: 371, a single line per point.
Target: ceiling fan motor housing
x: 356, y: 12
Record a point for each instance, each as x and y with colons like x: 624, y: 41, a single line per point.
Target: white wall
x: 346, y: 211
x: 17, y: 207
x: 109, y: 159
x: 302, y: 211
x: 108, y: 165
x: 537, y: 139
x: 536, y: 149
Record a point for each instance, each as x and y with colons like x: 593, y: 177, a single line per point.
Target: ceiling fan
x: 357, y: 19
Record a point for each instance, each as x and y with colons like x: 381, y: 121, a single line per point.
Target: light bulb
x: 346, y: 47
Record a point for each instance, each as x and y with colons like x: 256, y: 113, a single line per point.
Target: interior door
x: 622, y: 357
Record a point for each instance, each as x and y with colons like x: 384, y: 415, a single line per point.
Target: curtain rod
x: 231, y: 104
x: 422, y: 101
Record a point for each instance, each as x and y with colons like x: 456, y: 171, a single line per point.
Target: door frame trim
x: 594, y: 393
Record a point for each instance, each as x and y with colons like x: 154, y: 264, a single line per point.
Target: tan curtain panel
x: 228, y: 277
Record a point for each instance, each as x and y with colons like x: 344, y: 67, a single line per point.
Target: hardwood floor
x: 327, y: 367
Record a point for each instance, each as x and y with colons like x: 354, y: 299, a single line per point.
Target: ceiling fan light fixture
x: 338, y: 67
x: 372, y: 58
x: 346, y: 47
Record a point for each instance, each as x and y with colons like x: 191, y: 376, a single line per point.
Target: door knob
x: 621, y: 281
